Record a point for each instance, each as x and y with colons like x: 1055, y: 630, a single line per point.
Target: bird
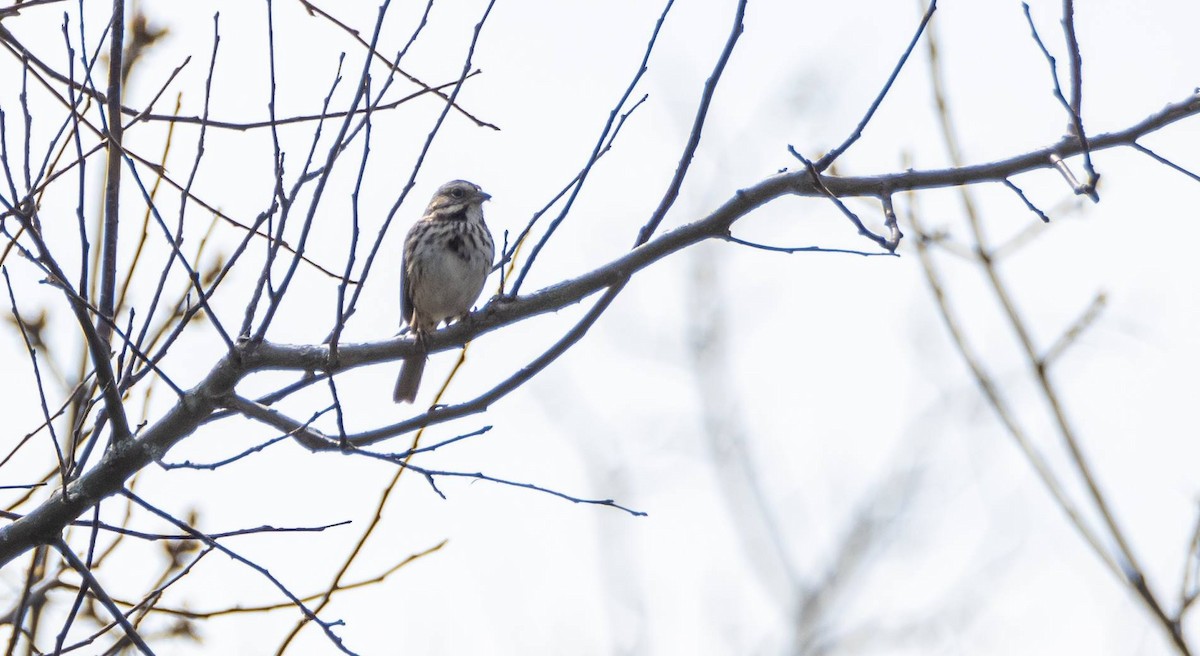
x: 447, y: 256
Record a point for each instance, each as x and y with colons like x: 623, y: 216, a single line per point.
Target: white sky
x: 834, y: 369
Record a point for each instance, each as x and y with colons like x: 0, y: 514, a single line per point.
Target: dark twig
x: 174, y: 240
x: 242, y: 609
x: 693, y: 141
x: 103, y: 368
x: 348, y: 308
x: 828, y: 159
x: 252, y: 230
x: 242, y: 126
x: 45, y: 424
x: 81, y: 185
x: 402, y: 460
x: 188, y: 464
x: 180, y: 537
x: 508, y: 254
x: 144, y: 234
x: 335, y: 150
x: 144, y: 606
x: 305, y: 434
x: 16, y: 616
x: 282, y: 201
x: 15, y: 8
x: 97, y: 346
x: 21, y: 52
x: 342, y: 310
x: 1162, y: 160
x: 7, y: 39
x: 803, y: 249
x: 178, y: 321
x: 395, y: 66
x: 580, y: 179
x: 94, y: 586
x: 820, y: 185
x: 37, y: 375
x: 65, y: 629
x: 1072, y: 106
x: 193, y: 277
x: 327, y: 627
x: 112, y: 184
x: 308, y: 379
x: 1025, y: 199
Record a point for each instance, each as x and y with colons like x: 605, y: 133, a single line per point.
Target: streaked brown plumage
x: 447, y: 256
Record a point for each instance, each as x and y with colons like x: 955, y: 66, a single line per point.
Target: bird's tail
x: 409, y: 380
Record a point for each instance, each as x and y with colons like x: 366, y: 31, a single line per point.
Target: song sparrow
x: 447, y: 256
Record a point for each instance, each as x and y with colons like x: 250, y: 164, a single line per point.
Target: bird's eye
x: 456, y: 192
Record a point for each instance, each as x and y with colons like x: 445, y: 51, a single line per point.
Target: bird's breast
x: 447, y: 279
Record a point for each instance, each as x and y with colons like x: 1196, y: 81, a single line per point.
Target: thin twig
x: 693, y: 142
x: 327, y: 627
x: 576, y: 185
x: 1071, y: 106
x: 97, y: 346
x: 112, y: 183
x: 1162, y: 160
x: 395, y: 66
x: 431, y: 474
x: 824, y: 163
x: 820, y: 184
x: 37, y: 376
x: 804, y: 249
x: 242, y: 609
x: 509, y: 255
x: 94, y: 586
x: 1025, y: 199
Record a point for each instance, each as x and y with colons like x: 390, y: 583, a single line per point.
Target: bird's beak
x: 483, y: 195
